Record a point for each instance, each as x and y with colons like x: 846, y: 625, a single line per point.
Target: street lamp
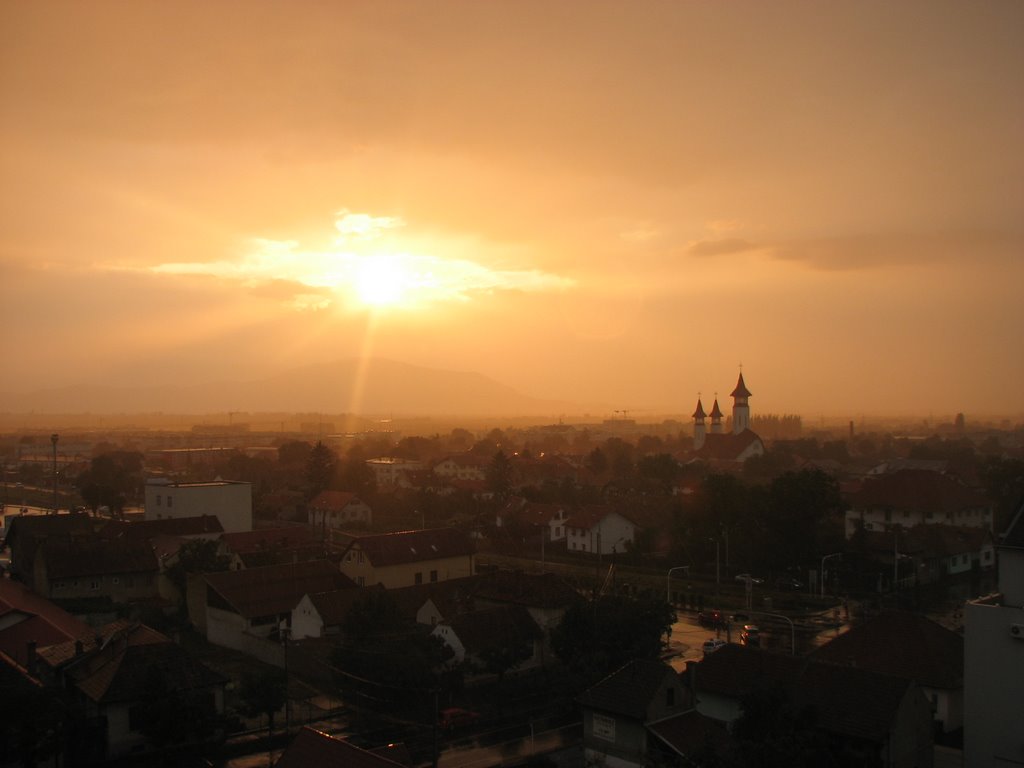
x: 53, y: 439
x: 718, y: 565
x: 668, y: 581
x: 826, y: 557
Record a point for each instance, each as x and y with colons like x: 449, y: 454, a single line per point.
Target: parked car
x: 789, y: 584
x: 454, y: 718
x: 743, y: 578
x: 712, y: 644
x: 711, y: 619
x: 751, y: 635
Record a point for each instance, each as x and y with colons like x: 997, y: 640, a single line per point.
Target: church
x: 718, y: 446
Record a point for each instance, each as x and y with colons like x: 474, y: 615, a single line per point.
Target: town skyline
x: 614, y: 207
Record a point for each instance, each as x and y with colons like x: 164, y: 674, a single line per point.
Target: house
x: 926, y: 553
x: 131, y: 680
x: 434, y: 602
x: 911, y: 497
x: 881, y: 719
x: 242, y: 609
x: 314, y: 748
x: 546, y: 519
x: 994, y: 661
x: 29, y: 620
x: 271, y: 546
x: 463, y: 466
x: 123, y: 570
x: 598, y: 529
x: 322, y: 614
x: 390, y: 472
x: 545, y: 596
x: 206, y: 527
x: 338, y: 510
x: 619, y: 710
x: 230, y: 501
x: 25, y: 534
x: 489, y: 640
x: 913, y: 647
x: 405, y: 558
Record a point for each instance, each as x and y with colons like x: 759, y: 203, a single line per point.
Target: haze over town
x: 609, y: 209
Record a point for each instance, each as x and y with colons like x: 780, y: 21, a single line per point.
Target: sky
x: 601, y: 202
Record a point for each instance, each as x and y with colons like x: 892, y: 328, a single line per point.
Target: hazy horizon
x: 611, y: 204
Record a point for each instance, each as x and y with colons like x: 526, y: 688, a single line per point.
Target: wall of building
x: 359, y: 568
x: 306, y: 620
x: 231, y: 502
x: 993, y: 681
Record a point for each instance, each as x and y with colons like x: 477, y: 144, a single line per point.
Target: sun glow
x: 370, y: 266
x: 381, y: 281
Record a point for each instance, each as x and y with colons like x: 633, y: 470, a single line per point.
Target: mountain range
x: 372, y: 387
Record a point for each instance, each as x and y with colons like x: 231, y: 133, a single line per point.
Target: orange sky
x: 612, y: 203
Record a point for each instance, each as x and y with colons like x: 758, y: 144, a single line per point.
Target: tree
x: 320, y: 468
x: 263, y: 693
x: 171, y: 715
x: 599, y: 635
x: 196, y: 556
x: 499, y: 475
x: 384, y: 657
x: 112, y: 478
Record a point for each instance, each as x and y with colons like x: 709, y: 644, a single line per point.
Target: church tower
x: 740, y: 408
x: 716, y: 419
x: 698, y: 426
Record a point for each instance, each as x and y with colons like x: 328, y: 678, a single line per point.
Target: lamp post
x: 53, y: 439
x: 718, y: 565
x: 668, y: 581
x: 826, y: 557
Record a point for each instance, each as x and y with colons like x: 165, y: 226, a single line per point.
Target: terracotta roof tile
x: 629, y: 690
x: 81, y: 557
x: 413, y: 546
x: 917, y: 490
x: 275, y: 589
x: 902, y: 644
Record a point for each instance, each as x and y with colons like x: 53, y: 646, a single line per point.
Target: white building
x: 599, y: 529
x: 390, y: 472
x: 230, y: 501
x: 994, y: 663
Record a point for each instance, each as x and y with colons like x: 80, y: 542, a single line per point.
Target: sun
x: 382, y: 281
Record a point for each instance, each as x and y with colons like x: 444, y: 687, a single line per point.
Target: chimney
x: 30, y: 658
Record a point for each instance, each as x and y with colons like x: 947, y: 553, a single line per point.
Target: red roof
x: 741, y: 389
x: 414, y: 546
x: 917, y: 490
x: 903, y: 644
x: 726, y: 447
x: 291, y: 537
x: 275, y: 589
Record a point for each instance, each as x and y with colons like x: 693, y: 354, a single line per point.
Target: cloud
x: 722, y: 247
x: 380, y: 273
x: 363, y: 226
x: 863, y: 252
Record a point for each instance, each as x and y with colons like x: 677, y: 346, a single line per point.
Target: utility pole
x: 53, y: 439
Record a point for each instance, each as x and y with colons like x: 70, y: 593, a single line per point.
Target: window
x: 116, y: 580
x: 988, y: 555
x: 94, y: 584
x: 433, y: 575
x: 170, y: 501
x: 158, y: 499
x: 419, y: 577
x: 361, y: 581
x: 360, y: 555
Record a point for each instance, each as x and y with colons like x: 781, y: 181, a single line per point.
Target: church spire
x: 699, y: 429
x: 740, y: 407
